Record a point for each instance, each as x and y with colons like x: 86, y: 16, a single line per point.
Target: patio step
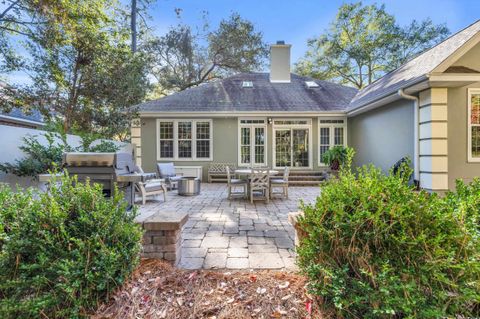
x: 305, y: 178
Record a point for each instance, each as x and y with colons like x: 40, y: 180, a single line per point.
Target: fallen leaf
x: 134, y: 290
x: 253, y: 278
x: 192, y: 275
x: 276, y: 314
x: 180, y: 301
x: 286, y: 297
x: 230, y: 300
x: 284, y: 285
x: 261, y: 291
x: 257, y: 310
x: 162, y: 314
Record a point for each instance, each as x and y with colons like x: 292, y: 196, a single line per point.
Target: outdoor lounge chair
x: 280, y: 182
x: 167, y: 172
x: 233, y: 183
x: 151, y: 187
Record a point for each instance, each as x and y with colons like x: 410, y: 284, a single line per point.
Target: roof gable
x: 415, y: 70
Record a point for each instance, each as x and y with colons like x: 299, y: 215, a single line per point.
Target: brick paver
x: 234, y: 234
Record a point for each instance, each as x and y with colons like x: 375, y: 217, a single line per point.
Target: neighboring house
x: 428, y: 109
x: 18, y: 118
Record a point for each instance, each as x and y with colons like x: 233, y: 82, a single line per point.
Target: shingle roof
x: 228, y: 95
x: 34, y: 115
x: 414, y: 69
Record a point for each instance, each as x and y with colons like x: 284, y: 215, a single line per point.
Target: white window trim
x: 175, y: 140
x: 332, y: 127
x: 308, y: 126
x: 470, y: 157
x: 252, y: 146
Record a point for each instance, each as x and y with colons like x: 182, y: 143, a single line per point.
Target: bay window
x: 188, y: 140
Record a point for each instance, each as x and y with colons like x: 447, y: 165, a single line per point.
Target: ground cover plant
x: 375, y: 248
x: 63, y: 252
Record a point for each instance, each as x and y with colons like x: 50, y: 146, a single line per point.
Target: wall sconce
x: 269, y: 120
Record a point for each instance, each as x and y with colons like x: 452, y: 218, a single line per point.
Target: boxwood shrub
x: 62, y: 252
x: 375, y: 248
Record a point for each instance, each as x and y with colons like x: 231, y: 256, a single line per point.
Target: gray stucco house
x: 428, y: 109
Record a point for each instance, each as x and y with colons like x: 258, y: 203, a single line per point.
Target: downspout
x: 416, y: 143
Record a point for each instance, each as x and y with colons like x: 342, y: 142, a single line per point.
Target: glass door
x: 252, y: 145
x: 292, y: 147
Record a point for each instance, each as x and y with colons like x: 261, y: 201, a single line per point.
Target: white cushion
x: 237, y: 181
x: 175, y: 178
x: 166, y: 169
x: 278, y: 181
x: 150, y: 187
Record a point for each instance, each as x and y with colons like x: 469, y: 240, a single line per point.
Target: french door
x: 292, y: 147
x: 252, y: 145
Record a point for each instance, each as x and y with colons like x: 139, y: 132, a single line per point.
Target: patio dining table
x: 248, y: 171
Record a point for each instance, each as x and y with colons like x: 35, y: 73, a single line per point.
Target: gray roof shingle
x: 228, y: 95
x: 414, y: 69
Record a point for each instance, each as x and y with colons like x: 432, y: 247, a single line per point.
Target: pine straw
x: 157, y: 290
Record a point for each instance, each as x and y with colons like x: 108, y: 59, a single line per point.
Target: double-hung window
x: 332, y: 133
x: 188, y: 140
x: 474, y: 125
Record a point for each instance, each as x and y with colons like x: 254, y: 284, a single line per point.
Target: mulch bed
x: 157, y: 290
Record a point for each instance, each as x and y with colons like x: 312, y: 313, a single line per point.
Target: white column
x: 136, y: 139
x: 433, y: 137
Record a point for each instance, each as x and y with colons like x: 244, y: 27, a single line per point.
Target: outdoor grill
x: 106, y: 169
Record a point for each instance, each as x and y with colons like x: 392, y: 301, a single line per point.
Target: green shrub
x: 377, y: 249
x: 61, y: 253
x: 336, y: 156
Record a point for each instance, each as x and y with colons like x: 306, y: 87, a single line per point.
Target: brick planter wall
x: 163, y: 236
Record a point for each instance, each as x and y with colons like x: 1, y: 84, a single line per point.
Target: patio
x: 234, y: 234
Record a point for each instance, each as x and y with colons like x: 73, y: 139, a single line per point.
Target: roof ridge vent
x: 311, y: 84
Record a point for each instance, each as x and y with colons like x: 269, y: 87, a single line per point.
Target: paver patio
x: 235, y: 234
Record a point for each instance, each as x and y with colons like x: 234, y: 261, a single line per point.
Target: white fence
x: 11, y: 138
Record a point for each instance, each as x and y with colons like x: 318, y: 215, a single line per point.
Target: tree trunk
x: 133, y: 25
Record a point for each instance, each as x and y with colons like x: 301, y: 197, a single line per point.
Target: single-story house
x: 427, y: 109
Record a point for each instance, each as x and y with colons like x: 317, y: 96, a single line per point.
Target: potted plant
x: 335, y: 157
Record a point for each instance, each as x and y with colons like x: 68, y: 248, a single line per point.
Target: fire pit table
x: 189, y: 186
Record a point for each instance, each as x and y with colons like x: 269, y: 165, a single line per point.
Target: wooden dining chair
x: 260, y: 185
x: 233, y: 183
x: 280, y: 183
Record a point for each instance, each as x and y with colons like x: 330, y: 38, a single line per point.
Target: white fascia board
x: 241, y: 114
x: 454, y: 77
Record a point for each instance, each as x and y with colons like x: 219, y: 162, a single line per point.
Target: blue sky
x: 297, y: 21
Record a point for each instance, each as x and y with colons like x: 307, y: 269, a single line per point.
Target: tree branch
x: 8, y: 9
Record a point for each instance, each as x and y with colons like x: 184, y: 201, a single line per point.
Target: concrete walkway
x: 234, y: 234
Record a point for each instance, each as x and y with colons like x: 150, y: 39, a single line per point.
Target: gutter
x: 416, y: 143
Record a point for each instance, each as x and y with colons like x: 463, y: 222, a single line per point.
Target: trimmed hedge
x: 62, y: 252
x: 375, y: 248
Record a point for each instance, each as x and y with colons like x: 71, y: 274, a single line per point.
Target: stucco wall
x: 225, y: 141
x: 382, y: 136
x: 458, y: 166
x: 225, y: 144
